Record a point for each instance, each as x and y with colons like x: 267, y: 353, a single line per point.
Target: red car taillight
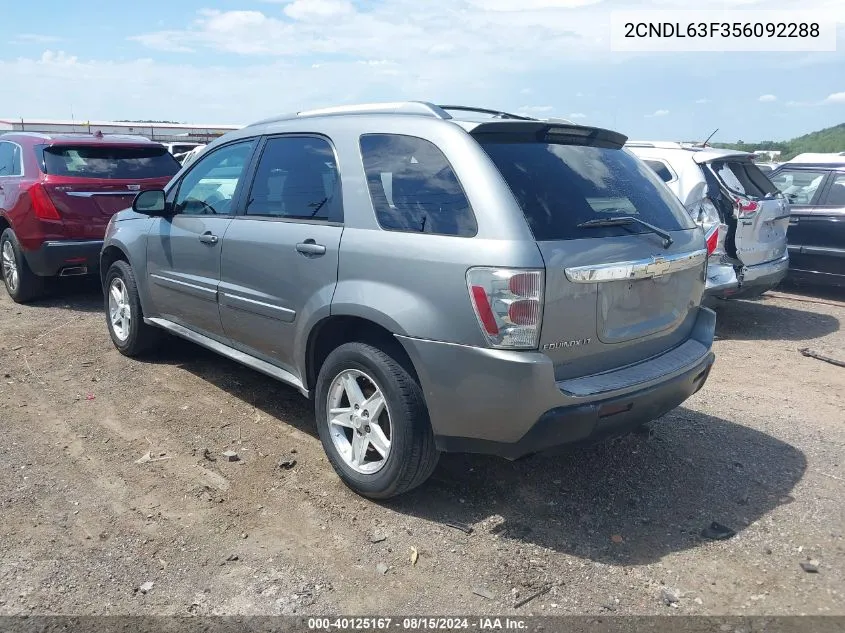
x: 508, y: 304
x: 41, y: 204
x: 745, y: 208
x: 712, y: 237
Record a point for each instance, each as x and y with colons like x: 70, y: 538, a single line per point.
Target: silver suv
x: 479, y: 283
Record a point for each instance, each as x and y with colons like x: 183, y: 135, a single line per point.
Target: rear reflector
x: 508, y: 304
x: 41, y: 203
x: 485, y: 312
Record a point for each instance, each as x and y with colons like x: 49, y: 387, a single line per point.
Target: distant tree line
x: 830, y: 139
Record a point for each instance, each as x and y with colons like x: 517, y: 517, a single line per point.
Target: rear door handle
x: 310, y: 247
x: 208, y: 238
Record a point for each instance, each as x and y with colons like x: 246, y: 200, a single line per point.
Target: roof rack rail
x: 394, y: 107
x: 495, y: 113
x: 419, y: 108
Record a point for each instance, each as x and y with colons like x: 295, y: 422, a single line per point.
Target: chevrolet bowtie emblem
x: 658, y: 266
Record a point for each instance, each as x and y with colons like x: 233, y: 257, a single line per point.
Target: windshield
x: 96, y: 161
x: 560, y: 187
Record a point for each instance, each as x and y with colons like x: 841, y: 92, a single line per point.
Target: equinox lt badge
x: 566, y: 344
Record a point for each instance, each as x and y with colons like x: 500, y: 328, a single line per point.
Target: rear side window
x: 744, y: 177
x: 296, y: 178
x: 10, y: 159
x: 413, y: 188
x: 661, y: 169
x: 560, y: 186
x: 98, y: 161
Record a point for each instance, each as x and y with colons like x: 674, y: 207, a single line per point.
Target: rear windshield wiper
x: 626, y: 220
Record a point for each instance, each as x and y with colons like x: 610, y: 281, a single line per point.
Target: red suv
x: 57, y: 194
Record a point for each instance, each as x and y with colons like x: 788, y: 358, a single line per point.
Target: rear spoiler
x: 547, y: 132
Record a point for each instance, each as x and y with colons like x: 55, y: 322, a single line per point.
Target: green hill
x: 831, y: 139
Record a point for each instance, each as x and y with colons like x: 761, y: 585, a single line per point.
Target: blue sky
x: 235, y: 61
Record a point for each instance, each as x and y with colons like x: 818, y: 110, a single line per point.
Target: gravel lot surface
x: 87, y: 528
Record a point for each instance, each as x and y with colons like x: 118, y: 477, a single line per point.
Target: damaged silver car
x: 743, y: 215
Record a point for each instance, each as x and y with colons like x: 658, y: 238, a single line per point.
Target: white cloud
x: 318, y: 9
x: 470, y: 33
x: 657, y: 113
x: 767, y: 98
x: 544, y: 109
x: 701, y: 101
x: 530, y: 5
x: 577, y: 115
x: 836, y: 97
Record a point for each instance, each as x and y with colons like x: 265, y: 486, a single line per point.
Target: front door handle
x: 310, y: 247
x: 208, y: 238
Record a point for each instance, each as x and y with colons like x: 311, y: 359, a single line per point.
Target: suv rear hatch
x: 615, y: 293
x: 89, y: 183
x: 755, y: 211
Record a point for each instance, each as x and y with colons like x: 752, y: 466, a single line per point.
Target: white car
x: 743, y: 214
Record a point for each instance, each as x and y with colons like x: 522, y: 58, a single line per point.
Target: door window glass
x: 296, y: 178
x: 836, y: 195
x: 799, y: 185
x: 209, y: 188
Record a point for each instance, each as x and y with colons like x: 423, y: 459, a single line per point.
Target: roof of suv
x: 412, y: 108
x: 77, y: 139
x: 698, y: 154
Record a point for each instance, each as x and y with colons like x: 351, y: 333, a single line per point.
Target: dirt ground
x: 615, y: 528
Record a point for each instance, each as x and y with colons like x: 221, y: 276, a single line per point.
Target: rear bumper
x: 508, y: 403
x: 762, y: 277
x: 721, y: 281
x: 65, y: 258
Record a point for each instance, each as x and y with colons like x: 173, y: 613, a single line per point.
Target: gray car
x: 481, y: 282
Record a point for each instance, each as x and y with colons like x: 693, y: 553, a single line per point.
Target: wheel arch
x: 337, y: 329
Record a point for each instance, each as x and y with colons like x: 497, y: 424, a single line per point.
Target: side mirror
x: 150, y: 202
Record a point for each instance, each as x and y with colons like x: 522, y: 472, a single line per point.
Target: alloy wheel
x: 359, y: 421
x: 120, y: 311
x: 10, y: 266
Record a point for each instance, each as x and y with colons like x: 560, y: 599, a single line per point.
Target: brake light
x: 41, y: 204
x: 712, y: 239
x: 745, y: 208
x: 508, y: 304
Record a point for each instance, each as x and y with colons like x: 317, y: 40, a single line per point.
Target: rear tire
x: 21, y: 283
x: 124, y: 316
x: 411, y: 456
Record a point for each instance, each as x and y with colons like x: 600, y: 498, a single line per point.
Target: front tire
x: 22, y: 284
x: 124, y: 317
x: 373, y: 422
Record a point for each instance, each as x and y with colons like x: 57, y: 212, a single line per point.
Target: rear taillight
x: 41, y: 203
x: 712, y: 237
x: 508, y: 304
x: 704, y: 212
x: 745, y: 208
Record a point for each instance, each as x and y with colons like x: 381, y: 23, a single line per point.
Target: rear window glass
x: 110, y: 162
x: 661, y: 169
x: 744, y: 177
x: 562, y: 186
x: 413, y: 187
